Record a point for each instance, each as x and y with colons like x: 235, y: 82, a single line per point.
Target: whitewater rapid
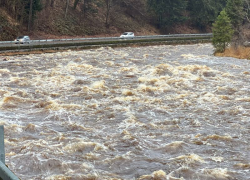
x: 154, y: 112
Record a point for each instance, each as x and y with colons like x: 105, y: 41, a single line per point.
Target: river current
x: 134, y: 113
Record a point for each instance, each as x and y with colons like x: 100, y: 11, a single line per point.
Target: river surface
x: 134, y: 113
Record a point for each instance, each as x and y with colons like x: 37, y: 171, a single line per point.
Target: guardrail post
x: 2, y: 151
x: 5, y: 173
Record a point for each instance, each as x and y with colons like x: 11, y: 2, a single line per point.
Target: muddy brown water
x: 156, y: 112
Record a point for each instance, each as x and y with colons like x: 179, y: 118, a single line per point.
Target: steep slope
x: 122, y: 17
x: 8, y: 26
x: 53, y: 22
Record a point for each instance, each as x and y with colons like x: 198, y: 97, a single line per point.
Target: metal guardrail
x: 87, y: 43
x: 105, y: 38
x: 5, y: 173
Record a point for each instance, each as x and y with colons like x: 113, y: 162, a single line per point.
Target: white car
x: 128, y: 35
x: 22, y: 39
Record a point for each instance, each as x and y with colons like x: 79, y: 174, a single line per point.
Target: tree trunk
x: 84, y: 8
x: 66, y: 9
x: 108, y: 6
x: 47, y: 4
x: 75, y: 3
x: 30, y: 15
x: 21, y: 19
x: 52, y: 3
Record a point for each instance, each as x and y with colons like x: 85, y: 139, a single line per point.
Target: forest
x: 57, y: 18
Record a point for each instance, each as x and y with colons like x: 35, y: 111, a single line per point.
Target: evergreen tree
x: 247, y: 10
x: 222, y: 32
x: 31, y: 8
x: 204, y: 12
x: 235, y: 12
x: 167, y: 12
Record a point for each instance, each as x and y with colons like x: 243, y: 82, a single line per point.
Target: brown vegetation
x: 240, y: 52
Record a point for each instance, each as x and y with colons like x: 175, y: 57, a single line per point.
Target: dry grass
x: 240, y: 52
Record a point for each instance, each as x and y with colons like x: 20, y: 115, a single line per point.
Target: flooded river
x: 134, y: 113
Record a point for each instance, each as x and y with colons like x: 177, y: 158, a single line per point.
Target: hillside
x: 53, y: 22
x: 8, y: 26
x: 46, y: 19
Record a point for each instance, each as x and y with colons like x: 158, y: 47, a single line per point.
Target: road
x: 58, y: 41
x: 6, y: 46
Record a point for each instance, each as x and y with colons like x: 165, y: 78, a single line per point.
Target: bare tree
x: 86, y: 6
x: 52, y: 3
x: 76, y: 3
x: 109, y: 4
x: 47, y: 2
x: 30, y: 15
x: 66, y: 8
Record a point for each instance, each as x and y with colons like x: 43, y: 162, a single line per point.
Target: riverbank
x: 240, y: 53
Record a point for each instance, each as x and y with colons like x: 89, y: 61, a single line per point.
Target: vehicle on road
x: 22, y: 40
x: 127, y: 35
